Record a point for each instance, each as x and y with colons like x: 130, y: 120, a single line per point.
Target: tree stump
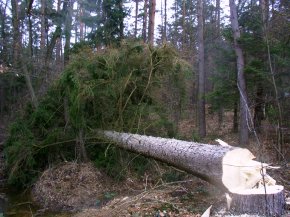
x: 255, y: 201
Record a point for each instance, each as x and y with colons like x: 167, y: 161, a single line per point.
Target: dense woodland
x: 69, y: 68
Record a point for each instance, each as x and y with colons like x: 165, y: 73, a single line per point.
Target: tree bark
x: 144, y: 30
x: 19, y: 61
x: 121, y: 19
x: 152, y: 10
x: 43, y: 35
x: 183, y: 39
x: 280, y: 140
x: 4, y: 55
x: 81, y: 153
x: 16, y: 47
x: 244, y: 113
x: 81, y: 14
x: 270, y: 204
x: 218, y: 18
x: 136, y: 17
x: 201, y: 73
x: 67, y: 29
x: 165, y: 22
x: 49, y: 51
x: 231, y: 169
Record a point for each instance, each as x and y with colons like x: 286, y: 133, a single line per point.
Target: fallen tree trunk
x: 231, y: 169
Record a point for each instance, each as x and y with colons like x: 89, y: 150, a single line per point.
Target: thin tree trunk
x: 81, y: 14
x: 42, y: 30
x: 165, y: 22
x: 145, y: 16
x: 201, y: 73
x: 55, y: 36
x: 218, y: 17
x: 30, y: 36
x: 259, y: 105
x: 183, y: 40
x: 58, y: 49
x: 3, y: 20
x: 67, y: 31
x: 152, y: 10
x: 80, y: 147
x: 16, y: 46
x: 99, y: 12
x: 136, y: 18
x: 218, y: 35
x: 235, y: 119
x: 29, y: 84
x: 19, y: 62
x: 241, y: 83
x: 121, y: 25
x: 280, y: 140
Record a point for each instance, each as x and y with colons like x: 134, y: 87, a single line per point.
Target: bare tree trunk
x: 145, y: 15
x: 121, y: 25
x: 164, y: 32
x: 183, y: 40
x: 18, y: 60
x: 49, y: 51
x: 29, y: 84
x: 201, y: 73
x: 81, y: 152
x: 152, y: 10
x: 235, y: 119
x: 16, y: 46
x: 67, y: 31
x: 3, y: 19
x: 136, y: 18
x: 58, y: 49
x: 244, y: 112
x: 259, y: 107
x: 218, y: 17
x: 81, y: 14
x: 280, y: 141
x: 42, y: 30
x: 30, y: 36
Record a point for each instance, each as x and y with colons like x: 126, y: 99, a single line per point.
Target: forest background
x: 69, y: 68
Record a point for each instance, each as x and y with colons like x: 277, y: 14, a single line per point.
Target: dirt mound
x: 70, y: 187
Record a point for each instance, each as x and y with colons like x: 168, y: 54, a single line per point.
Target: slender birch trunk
x: 241, y: 83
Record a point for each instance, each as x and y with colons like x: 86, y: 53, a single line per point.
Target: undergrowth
x: 124, y: 89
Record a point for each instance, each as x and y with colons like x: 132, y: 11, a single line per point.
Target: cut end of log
x: 252, y: 190
x: 241, y: 172
x: 274, y: 189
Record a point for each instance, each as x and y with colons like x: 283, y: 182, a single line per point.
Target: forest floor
x: 78, y: 187
x: 90, y: 193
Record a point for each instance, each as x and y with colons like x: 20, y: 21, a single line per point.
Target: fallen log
x: 230, y: 168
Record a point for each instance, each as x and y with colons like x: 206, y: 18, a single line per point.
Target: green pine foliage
x: 110, y: 89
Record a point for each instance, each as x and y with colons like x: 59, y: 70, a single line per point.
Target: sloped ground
x: 192, y: 196
x: 73, y: 187
x: 81, y: 187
